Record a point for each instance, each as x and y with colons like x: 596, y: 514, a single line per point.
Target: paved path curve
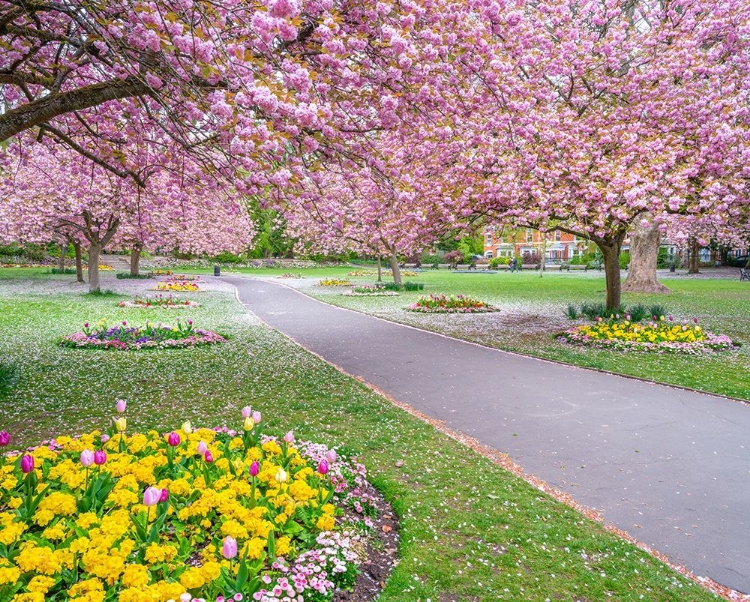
x: 670, y: 467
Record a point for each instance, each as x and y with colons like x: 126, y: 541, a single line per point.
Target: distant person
x: 513, y: 263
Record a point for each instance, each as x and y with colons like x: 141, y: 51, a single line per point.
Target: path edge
x: 502, y: 459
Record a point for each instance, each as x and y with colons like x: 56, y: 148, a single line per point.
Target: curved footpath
x: 668, y: 466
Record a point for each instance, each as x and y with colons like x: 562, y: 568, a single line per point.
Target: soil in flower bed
x: 124, y: 337
x: 458, y: 304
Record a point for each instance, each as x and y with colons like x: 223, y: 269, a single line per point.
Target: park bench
x: 744, y: 274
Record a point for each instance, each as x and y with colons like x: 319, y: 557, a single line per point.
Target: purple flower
x: 151, y: 496
x: 164, y: 495
x: 323, y: 467
x: 256, y: 416
x: 4, y: 438
x: 254, y: 469
x: 247, y: 412
x: 173, y: 439
x: 208, y: 457
x: 86, y: 325
x: 331, y: 455
x: 27, y: 464
x: 100, y: 457
x: 87, y: 457
x: 121, y: 405
x: 229, y: 547
x: 289, y: 437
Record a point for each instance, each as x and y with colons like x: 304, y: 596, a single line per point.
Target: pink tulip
x: 331, y: 455
x: 4, y: 438
x: 247, y: 411
x: 104, y: 438
x: 229, y: 547
x: 173, y: 439
x: 256, y: 417
x: 254, y: 469
x: 27, y: 464
x: 202, y: 448
x: 164, y: 495
x: 151, y: 496
x: 323, y: 467
x: 100, y: 457
x: 208, y: 457
x: 87, y: 457
x: 289, y: 437
x: 121, y: 405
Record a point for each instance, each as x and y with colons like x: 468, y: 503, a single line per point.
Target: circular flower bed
x: 370, y: 290
x: 182, y: 278
x: 159, y: 301
x: 458, y: 304
x: 159, y: 336
x: 182, y: 287
x: 209, y: 514
x: 334, y: 282
x: 162, y: 272
x: 658, y: 336
x: 291, y: 275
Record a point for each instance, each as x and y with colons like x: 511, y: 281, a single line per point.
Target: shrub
x: 406, y: 286
x: 572, y: 312
x: 656, y: 311
x: 497, y: 261
x: 624, y: 259
x: 63, y: 271
x: 227, y: 257
x: 638, y: 312
x: 454, y: 257
x: 128, y: 275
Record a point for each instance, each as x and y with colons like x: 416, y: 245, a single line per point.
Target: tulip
x: 100, y: 457
x: 331, y: 455
x: 121, y: 424
x: 254, y: 469
x: 248, y: 425
x: 280, y: 476
x: 87, y: 457
x: 202, y: 448
x: 289, y: 437
x: 164, y: 495
x: 208, y: 457
x: 323, y: 467
x: 151, y: 496
x: 229, y: 547
x: 246, y: 411
x: 124, y: 323
x: 187, y: 428
x: 27, y: 464
x: 121, y: 405
x: 104, y: 438
x: 173, y: 439
x: 86, y: 325
x: 4, y: 438
x: 257, y: 417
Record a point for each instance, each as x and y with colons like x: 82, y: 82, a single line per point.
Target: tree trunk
x: 79, y: 261
x: 611, y: 254
x: 94, y: 251
x: 135, y: 260
x: 644, y: 252
x: 380, y: 270
x: 61, y: 261
x: 693, y: 267
x: 395, y: 269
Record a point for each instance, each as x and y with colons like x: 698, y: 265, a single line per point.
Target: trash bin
x: 217, y: 270
x: 672, y: 267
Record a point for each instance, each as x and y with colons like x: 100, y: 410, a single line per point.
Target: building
x: 526, y: 243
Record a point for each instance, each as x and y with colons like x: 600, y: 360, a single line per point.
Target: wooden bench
x: 744, y: 274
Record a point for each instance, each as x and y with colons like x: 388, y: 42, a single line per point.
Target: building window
x: 558, y: 235
x: 529, y: 235
x: 489, y: 239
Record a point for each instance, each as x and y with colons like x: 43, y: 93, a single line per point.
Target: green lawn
x: 470, y: 530
x: 532, y: 311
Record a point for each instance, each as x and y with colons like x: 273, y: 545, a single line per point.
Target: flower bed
x: 182, y: 278
x: 370, y: 290
x: 458, y: 304
x: 160, y: 301
x: 659, y: 336
x: 369, y: 273
x: 161, y: 336
x: 334, y: 282
x: 180, y: 287
x: 208, y: 514
x: 290, y: 275
x: 162, y: 272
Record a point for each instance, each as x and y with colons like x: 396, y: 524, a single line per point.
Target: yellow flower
x: 40, y: 584
x: 121, y: 424
x: 135, y: 575
x: 192, y: 578
x: 326, y: 522
x: 9, y: 575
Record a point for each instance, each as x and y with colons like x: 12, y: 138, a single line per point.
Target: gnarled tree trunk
x: 693, y: 264
x: 644, y: 252
x: 79, y: 261
x: 135, y: 260
x: 610, y: 249
x: 395, y: 269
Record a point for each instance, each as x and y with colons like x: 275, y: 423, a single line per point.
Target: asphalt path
x: 668, y: 466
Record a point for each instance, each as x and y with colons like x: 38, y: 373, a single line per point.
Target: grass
x: 470, y: 531
x: 533, y: 309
